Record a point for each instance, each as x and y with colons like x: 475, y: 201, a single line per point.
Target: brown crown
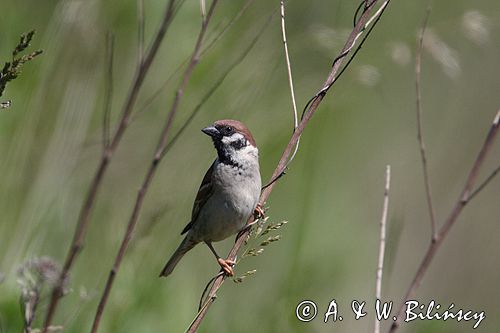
x: 238, y: 127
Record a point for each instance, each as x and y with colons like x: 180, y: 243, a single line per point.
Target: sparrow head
x: 231, y: 138
x: 229, y: 132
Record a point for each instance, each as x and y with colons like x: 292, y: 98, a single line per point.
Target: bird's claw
x: 259, y: 212
x: 227, y: 266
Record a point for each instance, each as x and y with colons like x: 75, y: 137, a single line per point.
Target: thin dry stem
x: 423, y: 156
x: 290, y: 79
x: 160, y: 152
x: 110, y: 50
x: 381, y: 250
x: 464, y: 198
x: 311, y: 109
x: 84, y: 216
x: 140, y: 32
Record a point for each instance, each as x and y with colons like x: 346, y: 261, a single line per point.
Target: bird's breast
x: 235, y: 195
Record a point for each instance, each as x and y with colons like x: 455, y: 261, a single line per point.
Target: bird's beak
x: 211, y: 131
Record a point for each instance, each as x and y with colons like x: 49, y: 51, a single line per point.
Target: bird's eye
x: 228, y: 129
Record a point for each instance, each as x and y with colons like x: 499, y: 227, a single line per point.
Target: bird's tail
x: 186, y: 245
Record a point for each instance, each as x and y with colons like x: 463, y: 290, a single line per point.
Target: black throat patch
x: 224, y: 153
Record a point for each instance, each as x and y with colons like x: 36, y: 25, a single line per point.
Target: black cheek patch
x: 239, y: 144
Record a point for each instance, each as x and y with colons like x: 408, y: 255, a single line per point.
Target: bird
x: 228, y: 194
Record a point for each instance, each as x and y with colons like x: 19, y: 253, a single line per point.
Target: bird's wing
x: 204, y: 193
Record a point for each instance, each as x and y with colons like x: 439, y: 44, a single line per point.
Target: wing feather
x: 204, y: 193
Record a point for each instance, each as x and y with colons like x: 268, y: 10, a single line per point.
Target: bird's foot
x: 227, y: 265
x: 259, y: 212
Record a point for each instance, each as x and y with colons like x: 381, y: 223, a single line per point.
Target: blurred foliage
x: 331, y: 196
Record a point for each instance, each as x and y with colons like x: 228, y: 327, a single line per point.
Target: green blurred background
x: 332, y: 195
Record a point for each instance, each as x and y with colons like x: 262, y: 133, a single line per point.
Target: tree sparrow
x: 228, y: 194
